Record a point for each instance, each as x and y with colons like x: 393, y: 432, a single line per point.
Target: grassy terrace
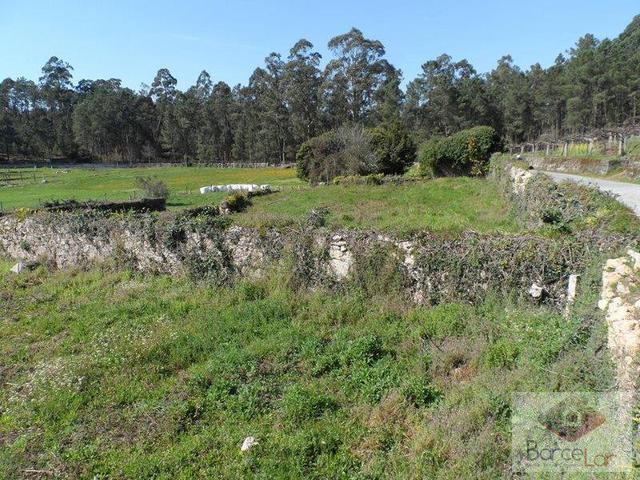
x: 447, y: 204
x: 118, y: 375
x: 44, y: 184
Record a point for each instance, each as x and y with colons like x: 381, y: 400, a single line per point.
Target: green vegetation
x: 464, y: 153
x: 393, y: 147
x: 106, y: 373
x: 34, y: 186
x: 297, y: 95
x: 441, y: 205
x: 116, y: 375
x: 152, y: 188
x: 353, y: 150
x: 600, y: 149
x: 564, y: 208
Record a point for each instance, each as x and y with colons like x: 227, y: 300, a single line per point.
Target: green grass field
x: 119, y: 375
x: 119, y: 183
x: 441, y: 205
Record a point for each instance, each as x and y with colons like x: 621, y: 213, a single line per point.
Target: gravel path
x: 628, y: 193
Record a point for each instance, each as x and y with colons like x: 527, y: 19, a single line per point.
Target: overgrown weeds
x: 112, y: 374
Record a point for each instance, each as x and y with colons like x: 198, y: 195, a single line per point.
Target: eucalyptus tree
x: 215, y: 135
x: 203, y: 86
x: 446, y: 96
x: 302, y: 82
x: 245, y: 123
x: 114, y: 123
x: 353, y: 77
x: 163, y: 92
x: 274, y: 135
x: 33, y: 132
x: 8, y: 134
x: 57, y: 93
x: 389, y: 98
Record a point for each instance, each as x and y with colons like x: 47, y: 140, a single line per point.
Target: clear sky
x: 132, y: 39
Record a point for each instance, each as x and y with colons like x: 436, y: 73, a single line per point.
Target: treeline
x: 292, y: 99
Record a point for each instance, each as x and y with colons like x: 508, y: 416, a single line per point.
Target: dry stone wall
x: 203, y: 244
x: 620, y: 300
x: 434, y: 268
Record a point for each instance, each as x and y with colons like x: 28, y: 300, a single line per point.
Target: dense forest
x: 293, y: 98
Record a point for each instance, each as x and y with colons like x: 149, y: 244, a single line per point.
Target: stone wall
x: 202, y: 243
x: 433, y: 267
x: 564, y: 164
x: 620, y: 300
x: 628, y: 167
x: 519, y: 179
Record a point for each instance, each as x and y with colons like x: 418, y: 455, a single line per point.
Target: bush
x: 152, y: 188
x: 355, y: 151
x: 464, y: 153
x: 346, y: 151
x: 236, y: 202
x: 394, y: 150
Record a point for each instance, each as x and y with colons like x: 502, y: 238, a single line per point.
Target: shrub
x: 236, y: 202
x: 442, y: 321
x: 420, y: 392
x: 152, y: 188
x: 317, y: 217
x: 346, y: 151
x: 394, y: 150
x: 355, y: 151
x: 464, y: 153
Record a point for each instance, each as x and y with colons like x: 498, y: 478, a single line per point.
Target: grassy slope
x: 119, y: 375
x: 119, y: 183
x: 445, y: 204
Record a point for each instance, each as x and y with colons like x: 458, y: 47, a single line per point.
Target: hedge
x: 464, y: 153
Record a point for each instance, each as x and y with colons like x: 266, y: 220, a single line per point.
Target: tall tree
x: 302, y: 81
x: 269, y: 89
x: 113, y: 123
x: 163, y: 92
x: 353, y: 78
x: 57, y: 92
x: 509, y: 90
x: 216, y: 136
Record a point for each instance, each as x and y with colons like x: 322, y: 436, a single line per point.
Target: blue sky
x: 132, y: 39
